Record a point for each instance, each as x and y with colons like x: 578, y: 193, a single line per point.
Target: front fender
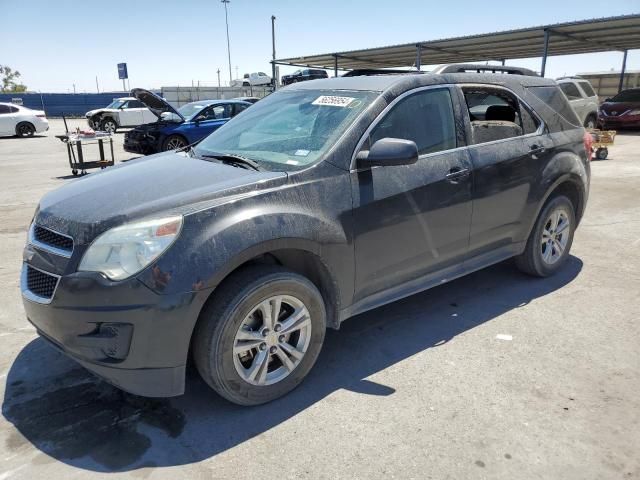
x: 216, y: 242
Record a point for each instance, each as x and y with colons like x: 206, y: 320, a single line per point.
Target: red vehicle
x: 621, y: 111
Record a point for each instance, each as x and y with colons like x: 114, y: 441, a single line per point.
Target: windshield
x: 191, y: 109
x: 627, y: 96
x: 116, y: 104
x: 289, y: 129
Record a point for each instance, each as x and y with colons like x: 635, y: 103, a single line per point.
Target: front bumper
x: 144, y: 145
x: 134, y: 338
x: 620, y: 122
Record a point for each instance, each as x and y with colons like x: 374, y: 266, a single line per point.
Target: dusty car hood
x: 155, y: 103
x: 162, y: 184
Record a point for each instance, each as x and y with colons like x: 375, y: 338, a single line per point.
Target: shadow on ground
x: 77, y: 419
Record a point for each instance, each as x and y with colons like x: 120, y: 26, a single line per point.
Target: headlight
x: 124, y: 251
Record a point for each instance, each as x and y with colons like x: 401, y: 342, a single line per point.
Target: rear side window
x: 586, y: 86
x: 570, y: 90
x: 556, y: 101
x: 425, y: 117
x: 4, y: 109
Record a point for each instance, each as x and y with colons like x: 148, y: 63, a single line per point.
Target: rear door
x: 412, y: 220
x: 504, y: 167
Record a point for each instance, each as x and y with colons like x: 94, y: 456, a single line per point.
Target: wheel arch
x: 24, y: 122
x: 298, y: 255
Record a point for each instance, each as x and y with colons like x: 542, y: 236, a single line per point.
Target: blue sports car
x: 178, y: 128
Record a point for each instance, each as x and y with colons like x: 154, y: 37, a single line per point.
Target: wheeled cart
x: 601, y: 141
x: 76, y: 143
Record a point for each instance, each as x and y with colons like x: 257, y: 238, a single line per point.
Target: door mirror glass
x: 389, y: 152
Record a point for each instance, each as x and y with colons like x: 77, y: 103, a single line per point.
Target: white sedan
x: 21, y: 121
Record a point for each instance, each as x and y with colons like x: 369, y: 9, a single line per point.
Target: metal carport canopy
x: 586, y: 36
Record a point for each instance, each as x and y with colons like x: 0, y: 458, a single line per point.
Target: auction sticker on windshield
x: 333, y: 101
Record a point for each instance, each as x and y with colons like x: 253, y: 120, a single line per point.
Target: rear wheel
x: 173, y: 142
x: 109, y: 125
x: 25, y: 129
x: 550, y: 241
x: 261, y: 335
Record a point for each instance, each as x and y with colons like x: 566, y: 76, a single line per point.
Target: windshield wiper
x: 234, y: 159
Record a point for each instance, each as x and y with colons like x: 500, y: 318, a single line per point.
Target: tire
x: 25, y: 129
x: 173, y: 142
x: 591, y: 121
x: 109, y: 125
x: 237, y: 302
x: 602, y: 153
x: 539, y: 259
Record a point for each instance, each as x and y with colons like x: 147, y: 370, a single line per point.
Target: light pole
x: 218, y: 72
x: 226, y: 19
x: 273, y: 57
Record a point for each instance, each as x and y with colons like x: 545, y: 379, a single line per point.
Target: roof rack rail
x: 478, y: 68
x: 360, y: 72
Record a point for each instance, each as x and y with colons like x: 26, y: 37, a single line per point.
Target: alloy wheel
x: 110, y: 127
x: 174, y: 144
x: 272, y: 340
x: 555, y: 236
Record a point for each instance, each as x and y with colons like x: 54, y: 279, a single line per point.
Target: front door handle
x: 456, y: 174
x: 535, y: 148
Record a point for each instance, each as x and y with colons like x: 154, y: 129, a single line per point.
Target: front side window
x: 4, y: 109
x: 570, y: 90
x: 425, y: 117
x: 135, y: 104
x: 216, y: 112
x: 289, y: 130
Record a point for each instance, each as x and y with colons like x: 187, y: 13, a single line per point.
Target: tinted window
x: 586, y: 86
x: 239, y: 108
x: 425, y: 117
x: 4, y: 109
x: 628, y: 96
x: 216, y: 112
x: 135, y: 104
x: 570, y: 90
x: 554, y: 99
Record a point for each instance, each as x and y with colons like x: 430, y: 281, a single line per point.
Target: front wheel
x: 261, y: 334
x: 550, y: 241
x: 109, y: 125
x: 173, y: 142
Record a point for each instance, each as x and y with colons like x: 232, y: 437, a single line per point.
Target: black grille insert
x: 40, y: 283
x: 46, y: 236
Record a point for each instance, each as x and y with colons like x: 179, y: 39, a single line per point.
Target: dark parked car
x: 178, y: 128
x: 322, y: 201
x: 303, y: 75
x: 621, y: 111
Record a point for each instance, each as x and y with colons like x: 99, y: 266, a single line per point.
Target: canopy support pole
x: 335, y: 65
x: 622, y: 72
x: 418, y: 56
x: 545, y: 52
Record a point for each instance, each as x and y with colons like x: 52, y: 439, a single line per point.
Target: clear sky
x: 58, y: 43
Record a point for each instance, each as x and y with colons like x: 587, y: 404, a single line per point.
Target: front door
x: 412, y: 220
x: 210, y: 119
x: 131, y: 114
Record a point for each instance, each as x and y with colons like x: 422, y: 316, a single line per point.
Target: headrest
x: 500, y: 112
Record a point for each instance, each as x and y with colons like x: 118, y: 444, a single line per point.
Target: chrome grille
x: 40, y: 283
x: 53, y: 239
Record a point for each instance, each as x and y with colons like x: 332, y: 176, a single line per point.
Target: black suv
x: 303, y: 75
x: 323, y: 200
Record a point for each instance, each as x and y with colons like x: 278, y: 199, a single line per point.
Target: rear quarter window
x: 553, y: 98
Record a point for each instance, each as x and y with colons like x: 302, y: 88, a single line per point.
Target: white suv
x: 582, y: 98
x: 122, y: 112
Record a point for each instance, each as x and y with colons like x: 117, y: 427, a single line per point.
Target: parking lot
x: 495, y: 375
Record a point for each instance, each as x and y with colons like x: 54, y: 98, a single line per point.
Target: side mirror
x: 389, y: 152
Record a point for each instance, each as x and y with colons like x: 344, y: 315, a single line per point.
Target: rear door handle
x: 457, y: 173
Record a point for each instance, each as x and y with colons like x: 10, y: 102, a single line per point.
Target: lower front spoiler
x: 147, y: 382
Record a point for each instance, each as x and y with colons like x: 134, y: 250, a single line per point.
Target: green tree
x: 9, y: 79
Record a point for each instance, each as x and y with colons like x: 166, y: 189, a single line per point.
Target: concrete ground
x: 496, y: 375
